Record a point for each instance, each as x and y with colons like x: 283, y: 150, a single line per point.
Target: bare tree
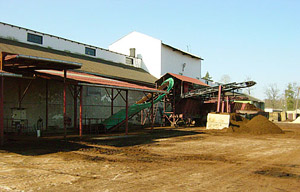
x: 225, y: 79
x: 273, y: 95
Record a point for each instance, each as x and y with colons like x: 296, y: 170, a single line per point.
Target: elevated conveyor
x: 211, y: 90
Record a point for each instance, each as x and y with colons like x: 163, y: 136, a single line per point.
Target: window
x: 90, y: 51
x: 129, y: 61
x: 34, y: 38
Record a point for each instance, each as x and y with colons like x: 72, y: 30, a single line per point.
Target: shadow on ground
x: 32, y: 146
x: 144, y: 138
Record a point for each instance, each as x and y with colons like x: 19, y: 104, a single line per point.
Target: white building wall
x: 147, y: 48
x: 53, y: 42
x: 172, y: 62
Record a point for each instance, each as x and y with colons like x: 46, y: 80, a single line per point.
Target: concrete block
x: 283, y: 116
x: 217, y: 121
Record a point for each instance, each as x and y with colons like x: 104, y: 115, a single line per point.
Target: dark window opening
x: 34, y: 38
x: 129, y: 61
x: 90, y: 51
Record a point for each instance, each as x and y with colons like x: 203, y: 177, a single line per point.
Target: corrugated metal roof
x: 188, y: 79
x: 251, y: 98
x: 90, y: 65
x: 31, y: 62
x: 93, y: 80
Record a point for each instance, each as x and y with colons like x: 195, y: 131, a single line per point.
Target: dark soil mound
x: 237, y: 120
x: 258, y: 125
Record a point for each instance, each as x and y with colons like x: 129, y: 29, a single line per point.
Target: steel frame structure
x: 14, y: 63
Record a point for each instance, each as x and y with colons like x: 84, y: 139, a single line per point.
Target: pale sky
x: 255, y: 38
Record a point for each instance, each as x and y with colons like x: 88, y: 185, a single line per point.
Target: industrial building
x: 158, y: 58
x: 52, y: 84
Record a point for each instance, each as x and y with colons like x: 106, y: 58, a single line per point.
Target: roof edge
x: 184, y: 52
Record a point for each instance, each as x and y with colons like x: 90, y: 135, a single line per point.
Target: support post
x: 164, y: 105
x: 223, y: 104
x: 75, y: 107
x: 65, y: 104
x: 19, y: 94
x: 80, y: 113
x: 228, y: 105
x: 181, y: 88
x: 1, y: 61
x: 126, y: 123
x: 174, y: 102
x: 112, y: 102
x: 47, y: 109
x: 1, y: 112
x: 219, y: 98
x: 152, y: 111
x: 142, y: 116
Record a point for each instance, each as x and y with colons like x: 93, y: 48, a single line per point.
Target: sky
x: 256, y: 39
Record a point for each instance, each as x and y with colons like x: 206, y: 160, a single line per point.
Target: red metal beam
x: 21, y: 96
x: 112, y: 102
x: 126, y: 123
x: 228, y: 105
x: 1, y: 61
x: 223, y: 106
x: 142, y: 116
x: 219, y: 99
x: 47, y: 108
x: 75, y: 107
x: 152, y: 116
x: 65, y: 104
x: 2, y: 112
x: 80, y: 113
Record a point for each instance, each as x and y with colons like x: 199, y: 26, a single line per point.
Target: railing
x: 18, y: 126
x: 94, y: 125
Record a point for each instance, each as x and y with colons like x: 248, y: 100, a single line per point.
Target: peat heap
x: 237, y: 120
x: 257, y: 126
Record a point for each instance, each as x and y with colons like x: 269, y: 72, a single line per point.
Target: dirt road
x: 183, y: 159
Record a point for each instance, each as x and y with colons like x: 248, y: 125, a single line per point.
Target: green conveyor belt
x: 120, y: 116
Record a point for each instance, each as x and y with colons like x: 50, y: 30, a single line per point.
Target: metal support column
x: 1, y: 61
x: 228, y: 105
x: 126, y: 123
x: 65, y: 103
x: 80, y: 113
x: 75, y: 107
x: 142, y: 116
x: 19, y: 94
x: 1, y: 112
x: 112, y: 102
x: 152, y: 113
x: 219, y: 99
x: 47, y: 108
x: 223, y: 106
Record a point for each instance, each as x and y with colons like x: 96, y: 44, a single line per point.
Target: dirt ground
x: 181, y: 159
